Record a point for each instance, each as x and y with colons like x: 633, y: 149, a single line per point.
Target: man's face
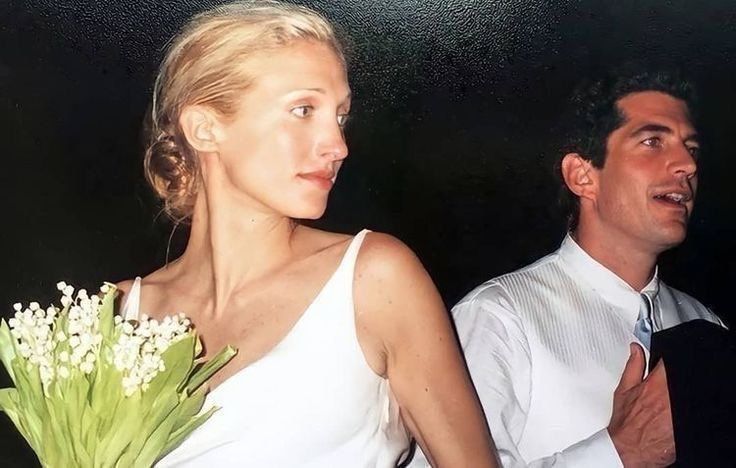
x: 646, y: 187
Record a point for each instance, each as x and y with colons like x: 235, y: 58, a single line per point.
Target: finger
x: 634, y: 370
x: 659, y: 373
x: 656, y: 383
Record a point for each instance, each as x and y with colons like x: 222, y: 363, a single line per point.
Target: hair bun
x: 172, y: 171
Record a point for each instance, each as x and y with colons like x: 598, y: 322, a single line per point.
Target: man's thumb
x: 634, y: 370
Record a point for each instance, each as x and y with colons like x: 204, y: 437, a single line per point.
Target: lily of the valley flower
x: 92, y: 389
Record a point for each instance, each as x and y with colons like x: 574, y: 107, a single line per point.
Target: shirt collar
x: 611, y: 288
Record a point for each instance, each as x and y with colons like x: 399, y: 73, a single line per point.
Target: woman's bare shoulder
x: 125, y: 286
x: 150, y: 281
x: 383, y: 256
x: 393, y: 293
x: 390, y: 279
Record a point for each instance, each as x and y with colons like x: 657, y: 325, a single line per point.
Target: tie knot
x: 643, y: 328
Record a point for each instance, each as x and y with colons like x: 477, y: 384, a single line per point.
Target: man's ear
x: 201, y: 128
x: 579, y: 174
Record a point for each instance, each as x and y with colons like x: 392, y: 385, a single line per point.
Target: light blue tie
x: 643, y: 326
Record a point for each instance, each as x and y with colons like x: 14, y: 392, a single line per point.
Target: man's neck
x: 627, y: 260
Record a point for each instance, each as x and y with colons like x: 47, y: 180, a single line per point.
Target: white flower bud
x: 24, y: 349
x: 75, y: 359
x: 87, y: 367
x: 74, y: 341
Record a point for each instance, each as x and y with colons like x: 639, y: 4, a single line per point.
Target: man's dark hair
x: 594, y: 114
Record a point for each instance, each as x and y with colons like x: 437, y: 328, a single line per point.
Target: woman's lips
x: 322, y: 179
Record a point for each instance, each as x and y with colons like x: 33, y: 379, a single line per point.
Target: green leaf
x: 127, y: 422
x: 8, y: 398
x: 107, y: 314
x: 30, y: 398
x: 156, y: 442
x: 90, y: 429
x: 190, y: 406
x: 73, y: 405
x: 197, y: 347
x: 62, y: 321
x: 106, y: 395
x: 209, y: 368
x: 51, y: 455
x: 178, y: 436
x: 9, y: 401
x: 164, y: 405
x: 178, y: 360
x: 7, y: 348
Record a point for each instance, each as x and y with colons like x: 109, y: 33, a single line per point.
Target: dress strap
x: 132, y: 305
x: 351, y: 254
x: 131, y: 308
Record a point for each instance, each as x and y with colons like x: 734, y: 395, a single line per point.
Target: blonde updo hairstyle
x: 204, y: 65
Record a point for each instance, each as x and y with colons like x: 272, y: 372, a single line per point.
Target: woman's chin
x: 308, y: 212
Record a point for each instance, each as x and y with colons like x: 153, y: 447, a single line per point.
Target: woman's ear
x: 579, y: 175
x: 200, y: 127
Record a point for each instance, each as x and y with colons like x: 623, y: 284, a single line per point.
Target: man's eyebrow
x: 651, y: 128
x: 657, y: 128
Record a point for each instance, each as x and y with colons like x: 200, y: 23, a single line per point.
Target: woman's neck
x: 230, y: 246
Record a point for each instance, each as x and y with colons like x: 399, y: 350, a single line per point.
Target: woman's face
x: 285, y: 145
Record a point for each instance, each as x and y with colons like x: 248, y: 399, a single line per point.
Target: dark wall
x: 451, y: 148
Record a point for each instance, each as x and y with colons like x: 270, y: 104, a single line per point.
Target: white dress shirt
x: 546, y: 346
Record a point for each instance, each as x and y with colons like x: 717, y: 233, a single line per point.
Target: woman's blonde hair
x: 204, y: 66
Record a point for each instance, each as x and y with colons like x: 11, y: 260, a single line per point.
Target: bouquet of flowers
x: 94, y: 390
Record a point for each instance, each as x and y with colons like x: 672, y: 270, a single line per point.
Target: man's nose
x: 683, y: 162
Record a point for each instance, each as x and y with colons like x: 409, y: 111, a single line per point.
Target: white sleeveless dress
x: 312, y: 401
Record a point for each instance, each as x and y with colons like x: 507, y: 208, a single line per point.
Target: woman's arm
x: 401, y: 314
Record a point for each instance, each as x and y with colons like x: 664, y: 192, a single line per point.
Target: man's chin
x: 672, y: 237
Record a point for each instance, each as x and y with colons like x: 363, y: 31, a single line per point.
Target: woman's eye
x: 302, y: 111
x: 342, y: 119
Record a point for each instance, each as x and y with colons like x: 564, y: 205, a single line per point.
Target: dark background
x: 451, y: 147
